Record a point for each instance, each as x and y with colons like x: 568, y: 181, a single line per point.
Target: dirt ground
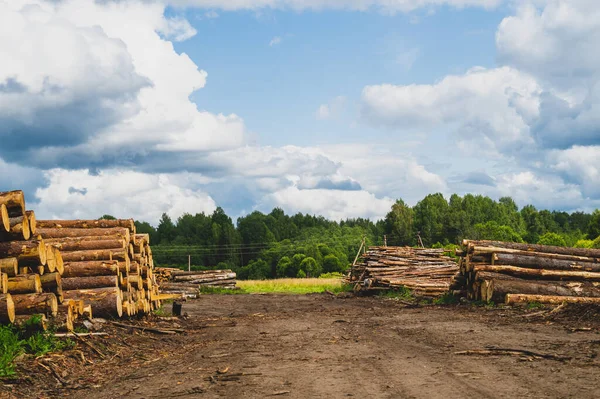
x: 322, y: 346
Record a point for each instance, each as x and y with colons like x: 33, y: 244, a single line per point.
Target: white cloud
x: 333, y: 204
x: 333, y: 109
x: 275, y: 41
x: 389, y: 6
x: 177, y: 28
x: 124, y: 194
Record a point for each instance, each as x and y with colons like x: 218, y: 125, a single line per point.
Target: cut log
x: 78, y: 283
x: 36, y: 303
x: 513, y: 299
x: 7, y: 309
x: 70, y: 232
x: 51, y: 281
x: 88, y: 224
x: 91, y: 268
x: 136, y: 281
x: 76, y: 305
x: 50, y: 265
x: 14, y: 202
x: 4, y: 219
x: 87, y: 312
x: 28, y: 253
x: 106, y: 302
x: 539, y: 273
x: 32, y: 322
x: 95, y: 254
x: 499, y: 288
x: 25, y: 284
x: 32, y: 221
x: 587, y: 252
x: 88, y: 243
x: 3, y: 283
x: 19, y: 229
x: 544, y: 262
x: 58, y: 260
x: 9, y: 266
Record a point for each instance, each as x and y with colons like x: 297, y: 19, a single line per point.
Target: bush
x: 584, y: 244
x: 301, y: 274
x: 596, y: 243
x: 552, y: 239
x: 331, y: 263
x: 494, y: 231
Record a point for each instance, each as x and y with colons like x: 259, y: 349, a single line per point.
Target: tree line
x: 272, y: 245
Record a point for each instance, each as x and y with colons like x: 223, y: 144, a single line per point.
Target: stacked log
x: 188, y: 284
x: 512, y: 273
x: 30, y: 269
x: 106, y: 265
x: 427, y: 273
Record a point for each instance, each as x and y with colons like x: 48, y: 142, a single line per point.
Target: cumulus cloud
x: 389, y: 6
x: 333, y: 204
x: 492, y: 104
x: 79, y: 194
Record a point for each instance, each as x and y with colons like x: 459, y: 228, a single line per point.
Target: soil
x: 323, y: 346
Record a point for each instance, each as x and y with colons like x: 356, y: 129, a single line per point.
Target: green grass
x: 296, y: 286
x: 399, y: 293
x: 534, y: 305
x: 446, y: 299
x: 15, y: 341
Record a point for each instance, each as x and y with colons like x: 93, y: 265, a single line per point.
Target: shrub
x: 552, y: 239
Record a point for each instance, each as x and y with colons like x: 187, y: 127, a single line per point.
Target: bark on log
x: 50, y: 265
x: 545, y: 263
x: 79, y: 283
x: 19, y: 229
x: 539, y: 273
x: 484, y: 254
x: 7, y: 309
x: 498, y: 289
x: 106, y: 302
x: 58, y: 260
x: 587, y: 252
x: 88, y: 224
x: 4, y: 219
x: 71, y: 232
x: 14, y: 202
x: 3, y: 283
x: 513, y: 299
x: 28, y: 253
x: 25, y: 284
x: 36, y: 303
x: 51, y: 281
x: 9, y: 266
x: 32, y: 323
x: 92, y: 268
x: 95, y: 254
x: 88, y: 243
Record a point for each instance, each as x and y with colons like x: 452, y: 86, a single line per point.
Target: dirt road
x: 319, y: 346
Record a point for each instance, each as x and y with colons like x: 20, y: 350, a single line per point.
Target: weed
x: 399, y: 293
x: 534, y: 305
x: 446, y: 299
x: 11, y: 347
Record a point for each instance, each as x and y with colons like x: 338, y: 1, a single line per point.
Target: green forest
x: 261, y: 246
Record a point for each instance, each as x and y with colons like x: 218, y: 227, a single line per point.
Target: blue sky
x: 329, y: 107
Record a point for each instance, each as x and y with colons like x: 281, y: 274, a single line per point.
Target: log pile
x: 513, y: 273
x: 30, y: 268
x: 106, y: 265
x: 176, y: 281
x: 427, y: 273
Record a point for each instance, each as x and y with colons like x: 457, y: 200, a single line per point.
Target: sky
x: 329, y: 107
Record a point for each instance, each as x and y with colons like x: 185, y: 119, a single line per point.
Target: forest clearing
x: 336, y: 346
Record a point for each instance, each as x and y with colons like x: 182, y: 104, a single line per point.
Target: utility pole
x: 189, y: 263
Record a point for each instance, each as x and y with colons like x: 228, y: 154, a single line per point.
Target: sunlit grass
x: 292, y: 286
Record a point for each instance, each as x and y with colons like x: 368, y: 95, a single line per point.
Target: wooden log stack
x: 106, y: 265
x: 30, y: 268
x: 513, y: 273
x: 426, y: 272
x: 188, y: 284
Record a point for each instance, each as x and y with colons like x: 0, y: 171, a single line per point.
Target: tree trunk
x: 19, y: 229
x: 14, y: 201
x: 4, y: 219
x: 78, y: 283
x: 32, y: 221
x: 7, y: 309
x: 499, y: 288
x: 28, y: 253
x: 586, y: 252
x: 87, y: 224
x: 539, y: 273
x: 25, y: 284
x: 69, y: 232
x: 51, y: 281
x: 88, y: 243
x: 106, y: 302
x: 36, y: 303
x: 50, y: 265
x: 95, y: 254
x: 91, y: 268
x: 513, y: 299
x: 9, y: 266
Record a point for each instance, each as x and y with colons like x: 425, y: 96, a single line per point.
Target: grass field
x: 286, y: 286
